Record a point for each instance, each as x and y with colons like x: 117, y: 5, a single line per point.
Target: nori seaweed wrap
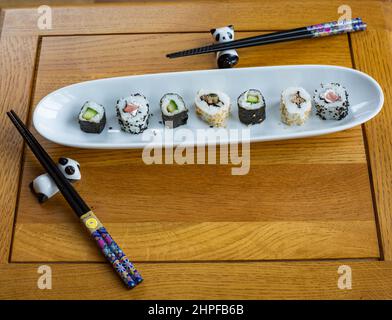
x: 251, y: 107
x: 92, y: 118
x: 174, y: 111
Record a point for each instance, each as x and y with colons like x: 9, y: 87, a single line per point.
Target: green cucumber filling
x: 89, y: 114
x: 252, y: 98
x: 172, y: 106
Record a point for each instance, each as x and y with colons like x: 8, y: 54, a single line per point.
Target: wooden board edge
x: 17, y: 63
x: 371, y: 53
x: 134, y: 18
x: 257, y: 280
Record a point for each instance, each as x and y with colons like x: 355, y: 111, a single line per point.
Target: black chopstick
x: 239, y: 43
x: 105, y: 242
x: 65, y: 187
x: 325, y: 29
x: 282, y: 34
x: 212, y: 48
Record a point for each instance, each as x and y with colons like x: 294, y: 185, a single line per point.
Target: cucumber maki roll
x: 132, y: 113
x: 174, y: 111
x: 331, y: 101
x: 92, y: 118
x: 251, y: 107
x: 213, y: 107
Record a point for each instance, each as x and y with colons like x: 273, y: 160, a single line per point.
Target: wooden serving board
x: 306, y: 207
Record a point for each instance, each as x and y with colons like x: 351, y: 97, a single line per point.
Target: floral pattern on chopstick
x: 336, y: 27
x: 120, y: 255
x: 112, y: 252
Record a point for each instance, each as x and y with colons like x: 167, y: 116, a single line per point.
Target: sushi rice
x: 295, y: 106
x: 331, y: 101
x: 213, y: 107
x: 132, y: 113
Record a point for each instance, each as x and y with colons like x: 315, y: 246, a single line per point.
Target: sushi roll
x: 132, y: 113
x: 251, y: 107
x: 92, y: 118
x: 174, y: 111
x: 331, y: 101
x: 213, y: 107
x: 295, y: 106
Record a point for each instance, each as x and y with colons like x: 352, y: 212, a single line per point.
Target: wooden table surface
x: 278, y: 232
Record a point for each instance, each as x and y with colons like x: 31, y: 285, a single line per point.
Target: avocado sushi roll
x: 132, y: 113
x: 174, y: 111
x: 92, y: 118
x: 251, y: 107
x: 213, y: 107
x: 331, y: 101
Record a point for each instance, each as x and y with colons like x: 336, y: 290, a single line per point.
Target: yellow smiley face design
x: 91, y: 223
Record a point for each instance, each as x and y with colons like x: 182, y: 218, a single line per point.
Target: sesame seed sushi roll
x: 92, y: 118
x: 251, y: 107
x: 295, y: 106
x: 331, y: 101
x: 213, y: 107
x: 174, y: 111
x: 132, y: 113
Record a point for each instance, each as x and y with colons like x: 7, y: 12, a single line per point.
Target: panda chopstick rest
x: 225, y: 58
x: 108, y: 247
x: 313, y: 31
x: 43, y: 187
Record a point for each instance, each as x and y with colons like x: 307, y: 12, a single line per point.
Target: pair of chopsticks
x: 105, y: 242
x: 313, y: 31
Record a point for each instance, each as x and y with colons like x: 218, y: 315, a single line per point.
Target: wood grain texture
x: 290, y: 183
x: 78, y: 58
x: 211, y: 241
x: 190, y: 16
x: 36, y: 3
x: 344, y: 147
x: 372, y: 55
x: 2, y: 15
x: 256, y: 280
x: 17, y: 57
x: 285, y: 193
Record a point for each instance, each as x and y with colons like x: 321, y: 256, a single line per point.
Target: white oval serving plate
x: 56, y: 115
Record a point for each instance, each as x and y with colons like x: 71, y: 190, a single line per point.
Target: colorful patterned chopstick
x: 313, y: 31
x: 109, y: 248
x: 336, y: 27
x: 128, y: 265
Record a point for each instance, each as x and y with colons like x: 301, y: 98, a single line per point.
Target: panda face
x: 224, y: 34
x: 70, y: 168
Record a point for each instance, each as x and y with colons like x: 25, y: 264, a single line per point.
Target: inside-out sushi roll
x: 174, y: 111
x: 213, y: 107
x: 295, y: 106
x: 331, y: 101
x: 251, y: 107
x: 92, y: 118
x: 132, y: 113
